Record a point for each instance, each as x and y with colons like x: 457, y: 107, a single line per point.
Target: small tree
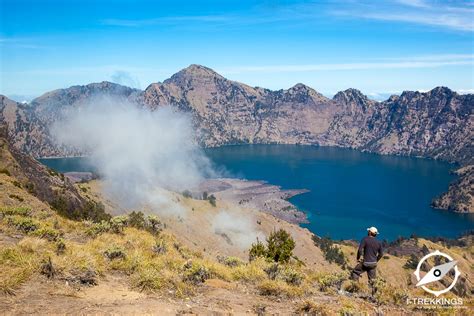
x: 137, y: 220
x: 257, y: 250
x: 212, y: 200
x: 280, y: 246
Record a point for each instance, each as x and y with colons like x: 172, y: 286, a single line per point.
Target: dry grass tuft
x: 311, y: 308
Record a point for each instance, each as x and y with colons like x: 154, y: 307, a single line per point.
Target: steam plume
x: 137, y: 151
x: 239, y: 229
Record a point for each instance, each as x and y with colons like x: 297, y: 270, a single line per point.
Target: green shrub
x: 187, y: 194
x: 160, y: 247
x: 151, y: 222
x: 353, y: 287
x: 47, y: 233
x: 60, y: 247
x: 212, y: 200
x: 285, y: 273
x: 60, y: 205
x: 332, y: 253
x: 331, y: 280
x: 196, y: 273
x: 117, y: 223
x: 230, y: 261
x: 98, y: 228
x: 94, y: 211
x: 292, y: 277
x: 90, y: 210
x: 20, y: 211
x: 257, y: 250
x: 273, y: 271
x: 115, y: 252
x: 24, y: 224
x: 280, y: 246
x: 154, y: 224
x: 137, y: 220
x: 48, y: 269
x: 384, y: 293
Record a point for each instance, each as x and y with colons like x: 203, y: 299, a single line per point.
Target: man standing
x: 370, y: 249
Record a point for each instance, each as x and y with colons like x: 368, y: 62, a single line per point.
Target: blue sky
x: 379, y: 47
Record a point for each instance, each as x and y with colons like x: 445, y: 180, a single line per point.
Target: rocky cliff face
x: 45, y: 184
x: 460, y: 195
x: 227, y: 112
x: 436, y: 124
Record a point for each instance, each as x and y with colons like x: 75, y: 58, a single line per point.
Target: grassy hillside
x: 53, y: 262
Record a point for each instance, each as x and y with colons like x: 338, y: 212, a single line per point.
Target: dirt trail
x: 113, y: 296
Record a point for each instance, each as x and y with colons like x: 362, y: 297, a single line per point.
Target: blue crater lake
x: 349, y: 190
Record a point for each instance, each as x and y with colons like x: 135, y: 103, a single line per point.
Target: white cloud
x: 465, y: 91
x: 447, y: 20
x: 414, y: 3
x: 450, y: 15
x: 408, y: 62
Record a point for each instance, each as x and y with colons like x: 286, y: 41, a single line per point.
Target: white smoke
x: 138, y: 152
x: 125, y: 78
x: 239, y: 229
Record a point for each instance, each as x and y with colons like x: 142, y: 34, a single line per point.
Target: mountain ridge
x: 436, y: 124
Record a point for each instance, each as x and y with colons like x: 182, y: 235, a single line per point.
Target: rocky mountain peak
x: 352, y: 96
x: 301, y: 92
x: 437, y: 97
x: 440, y: 91
x: 194, y: 73
x: 300, y: 87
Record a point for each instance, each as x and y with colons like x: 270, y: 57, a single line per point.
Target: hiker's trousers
x: 361, y: 268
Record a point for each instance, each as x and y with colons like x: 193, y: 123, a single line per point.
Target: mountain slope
x: 436, y: 124
x: 28, y: 124
x: 26, y: 173
x: 460, y: 195
x: 131, y: 264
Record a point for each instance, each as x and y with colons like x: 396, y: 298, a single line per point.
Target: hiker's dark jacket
x: 372, y: 250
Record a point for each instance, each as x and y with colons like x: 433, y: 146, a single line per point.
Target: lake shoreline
x: 258, y: 194
x: 349, y: 190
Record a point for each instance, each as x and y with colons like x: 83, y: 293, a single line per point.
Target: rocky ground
x: 258, y: 195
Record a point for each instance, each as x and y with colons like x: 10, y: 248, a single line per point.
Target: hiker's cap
x: 373, y: 230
